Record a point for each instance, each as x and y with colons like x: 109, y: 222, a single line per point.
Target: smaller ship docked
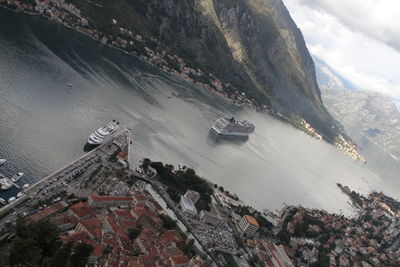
x: 11, y: 199
x: 232, y: 127
x: 16, y: 177
x: 104, y: 133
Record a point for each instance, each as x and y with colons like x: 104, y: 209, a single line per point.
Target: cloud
x: 336, y: 31
x: 377, y: 19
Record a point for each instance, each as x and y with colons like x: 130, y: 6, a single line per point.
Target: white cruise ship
x: 104, y: 133
x: 225, y: 126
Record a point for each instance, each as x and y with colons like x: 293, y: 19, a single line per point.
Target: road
x: 69, y: 179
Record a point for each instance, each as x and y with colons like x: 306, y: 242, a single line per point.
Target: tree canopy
x: 38, y: 244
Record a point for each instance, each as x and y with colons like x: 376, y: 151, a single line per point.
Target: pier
x: 103, y: 149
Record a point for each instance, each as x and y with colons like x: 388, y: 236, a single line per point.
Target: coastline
x: 153, y: 58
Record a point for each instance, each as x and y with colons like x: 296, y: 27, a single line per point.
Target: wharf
x: 9, y: 180
x: 35, y: 187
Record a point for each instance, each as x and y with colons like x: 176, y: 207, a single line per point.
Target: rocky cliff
x: 372, y: 113
x: 252, y: 46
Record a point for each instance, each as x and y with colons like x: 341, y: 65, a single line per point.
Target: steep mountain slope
x: 374, y: 114
x: 252, y: 46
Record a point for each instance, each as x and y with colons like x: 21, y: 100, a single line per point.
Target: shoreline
x: 345, y: 146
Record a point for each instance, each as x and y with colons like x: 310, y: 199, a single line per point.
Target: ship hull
x: 240, y: 134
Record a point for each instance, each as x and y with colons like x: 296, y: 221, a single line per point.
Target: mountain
x: 374, y: 114
x: 252, y: 46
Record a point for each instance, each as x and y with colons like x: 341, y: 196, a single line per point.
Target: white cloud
x: 377, y: 19
x: 357, y: 38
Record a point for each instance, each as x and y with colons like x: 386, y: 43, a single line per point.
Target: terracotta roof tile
x: 81, y: 209
x: 179, y: 259
x: 93, y: 225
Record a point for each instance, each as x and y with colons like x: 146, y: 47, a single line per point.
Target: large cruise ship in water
x: 103, y: 133
x: 225, y: 126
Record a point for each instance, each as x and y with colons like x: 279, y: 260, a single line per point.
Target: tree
x: 146, y: 163
x: 81, y: 254
x: 221, y: 189
x: 24, y: 252
x: 33, y: 242
x: 168, y: 222
x: 38, y: 244
x: 61, y: 256
x: 189, y: 249
x: 133, y: 233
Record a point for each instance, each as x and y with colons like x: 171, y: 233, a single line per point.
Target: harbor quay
x: 66, y: 178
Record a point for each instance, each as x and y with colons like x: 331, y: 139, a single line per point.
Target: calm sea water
x: 44, y: 123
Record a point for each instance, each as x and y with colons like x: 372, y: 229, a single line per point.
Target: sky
x: 360, y: 39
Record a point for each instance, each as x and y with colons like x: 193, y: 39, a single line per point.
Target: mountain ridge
x: 251, y: 46
x: 373, y: 113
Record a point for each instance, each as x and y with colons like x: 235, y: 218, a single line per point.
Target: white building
x: 210, y: 218
x: 192, y: 195
x: 248, y: 225
x: 188, y: 207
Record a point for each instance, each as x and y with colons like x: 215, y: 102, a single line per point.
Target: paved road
x: 69, y: 179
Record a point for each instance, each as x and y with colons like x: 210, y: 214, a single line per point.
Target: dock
x: 35, y: 187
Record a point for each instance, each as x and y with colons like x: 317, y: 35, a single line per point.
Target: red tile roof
x: 139, y: 211
x: 120, y: 213
x: 81, y: 209
x: 251, y: 220
x: 48, y: 211
x: 77, y: 236
x: 122, y: 154
x: 98, y: 251
x: 93, y: 226
x: 140, y: 197
x: 64, y: 218
x: 117, y: 229
x: 179, y: 259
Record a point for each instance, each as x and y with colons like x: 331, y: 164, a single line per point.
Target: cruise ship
x: 232, y: 127
x: 104, y: 133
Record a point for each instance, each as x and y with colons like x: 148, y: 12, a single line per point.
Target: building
x: 188, y: 207
x: 121, y: 189
x: 139, y: 199
x: 50, y: 210
x: 80, y: 210
x: 147, y: 222
x: 193, y: 196
x: 211, y: 218
x: 96, y: 201
x: 248, y: 225
x: 271, y: 254
x: 179, y: 261
x: 91, y: 226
